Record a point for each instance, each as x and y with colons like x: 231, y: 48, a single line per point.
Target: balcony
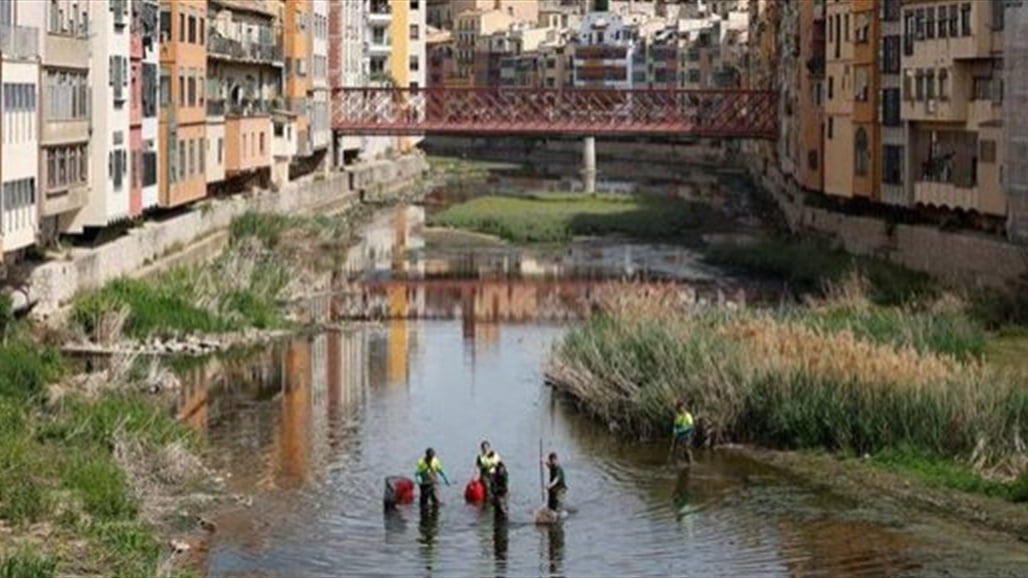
x: 215, y: 108
x: 947, y: 195
x: 220, y: 47
x: 19, y: 41
x: 379, y: 46
x: 379, y: 13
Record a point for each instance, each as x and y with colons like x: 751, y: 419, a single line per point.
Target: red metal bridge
x: 531, y: 111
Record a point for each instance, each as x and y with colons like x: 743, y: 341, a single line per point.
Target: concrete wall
x: 54, y: 284
x: 962, y: 259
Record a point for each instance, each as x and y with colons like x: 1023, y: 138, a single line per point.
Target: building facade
x: 20, y: 97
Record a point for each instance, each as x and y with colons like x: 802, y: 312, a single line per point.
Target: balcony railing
x: 215, y: 107
x: 250, y: 107
x: 19, y: 41
x: 219, y: 46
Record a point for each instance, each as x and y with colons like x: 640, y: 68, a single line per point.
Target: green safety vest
x: 425, y: 471
x: 683, y: 422
x: 489, y: 461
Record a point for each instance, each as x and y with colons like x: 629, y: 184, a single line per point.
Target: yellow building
x: 408, y: 64
x: 839, y: 100
x: 953, y: 104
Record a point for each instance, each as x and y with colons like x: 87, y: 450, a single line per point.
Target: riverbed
x: 308, y: 430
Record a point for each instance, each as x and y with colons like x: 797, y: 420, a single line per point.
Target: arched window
x: 861, y: 153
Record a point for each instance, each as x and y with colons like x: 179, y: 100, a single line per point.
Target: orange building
x: 183, y: 117
x: 296, y: 38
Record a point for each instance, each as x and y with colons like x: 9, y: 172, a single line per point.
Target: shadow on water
x: 311, y: 427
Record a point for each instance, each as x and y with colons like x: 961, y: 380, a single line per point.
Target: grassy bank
x: 809, y: 267
x: 66, y: 490
x: 265, y: 262
x: 871, y: 381
x: 556, y: 218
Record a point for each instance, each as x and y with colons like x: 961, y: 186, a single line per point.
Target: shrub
x: 26, y: 369
x: 28, y: 563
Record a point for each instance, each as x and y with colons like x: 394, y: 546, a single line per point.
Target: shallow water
x: 312, y: 427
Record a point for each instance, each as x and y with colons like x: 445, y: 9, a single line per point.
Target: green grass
x: 27, y: 563
x: 155, y: 308
x: 556, y: 218
x: 949, y: 474
x: 57, y: 467
x: 809, y: 267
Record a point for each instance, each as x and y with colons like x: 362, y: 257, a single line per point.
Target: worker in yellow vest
x: 683, y: 429
x: 427, y: 473
x: 486, y: 463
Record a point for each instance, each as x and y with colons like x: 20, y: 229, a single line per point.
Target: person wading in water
x: 485, y: 464
x: 682, y: 431
x: 427, y: 473
x: 557, y: 487
x: 499, y: 483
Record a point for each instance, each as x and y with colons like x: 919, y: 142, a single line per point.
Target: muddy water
x: 309, y: 429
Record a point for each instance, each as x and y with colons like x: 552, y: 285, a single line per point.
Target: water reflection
x: 555, y: 549
x: 428, y: 528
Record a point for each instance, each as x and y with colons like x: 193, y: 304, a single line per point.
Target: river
x: 310, y: 428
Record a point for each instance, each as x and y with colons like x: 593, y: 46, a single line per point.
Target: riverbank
x: 201, y: 233
x: 97, y: 474
x: 905, y: 386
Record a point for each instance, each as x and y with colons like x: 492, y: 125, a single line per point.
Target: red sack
x: 404, y: 491
x: 474, y: 492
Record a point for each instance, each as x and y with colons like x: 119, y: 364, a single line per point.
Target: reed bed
x: 787, y: 379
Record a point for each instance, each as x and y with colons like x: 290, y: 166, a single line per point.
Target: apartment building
x: 439, y: 53
x: 892, y: 155
x: 443, y: 14
x: 183, y: 115
x: 472, y: 32
x: 808, y: 114
x: 20, y: 29
x: 319, y: 94
x: 407, y: 62
x: 297, y: 50
x: 245, y: 63
x: 66, y: 112
x: 1015, y: 122
x: 839, y: 101
x: 608, y: 51
x: 346, y: 64
x: 144, y: 155
x: 952, y: 104
x: 109, y: 79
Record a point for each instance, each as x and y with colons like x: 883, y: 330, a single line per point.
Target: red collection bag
x: 474, y: 492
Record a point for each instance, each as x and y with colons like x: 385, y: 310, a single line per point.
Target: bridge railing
x: 709, y: 113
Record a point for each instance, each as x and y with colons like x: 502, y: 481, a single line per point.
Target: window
x: 66, y: 94
x: 965, y: 19
x: 415, y: 32
x: 831, y: 128
x: 930, y: 21
x: 892, y: 164
x: 861, y: 153
x: 181, y: 27
x: 890, y: 10
x: 891, y: 107
x: 863, y: 27
x: 982, y: 88
x: 862, y: 92
x: 165, y: 23
x: 165, y: 86
x: 954, y: 19
x: 117, y: 163
x: 831, y: 87
x: 846, y: 27
x: 118, y: 77
x: 987, y: 151
x: 262, y: 143
x: 221, y: 150
x: 192, y: 87
x: 181, y: 160
x: 929, y: 83
x: 414, y: 64
x: 812, y: 160
x: 149, y: 90
x: 890, y: 54
x: 415, y: 5
x: 908, y: 33
x: 919, y: 85
x: 149, y: 164
x: 181, y: 90
x: 943, y: 84
x: 998, y: 14
x: 201, y: 26
x: 66, y: 166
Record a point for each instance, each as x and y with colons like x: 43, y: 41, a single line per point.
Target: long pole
x: 542, y: 477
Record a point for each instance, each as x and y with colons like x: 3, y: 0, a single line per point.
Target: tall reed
x: 787, y: 380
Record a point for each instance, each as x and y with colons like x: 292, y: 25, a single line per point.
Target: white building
x: 109, y: 76
x: 20, y: 27
x: 150, y: 158
x: 346, y: 67
x: 321, y: 123
x: 607, y: 52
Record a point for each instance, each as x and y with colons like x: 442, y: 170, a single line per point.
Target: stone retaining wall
x: 962, y: 259
x: 201, y: 232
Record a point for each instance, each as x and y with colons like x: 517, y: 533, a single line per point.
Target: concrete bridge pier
x: 589, y: 164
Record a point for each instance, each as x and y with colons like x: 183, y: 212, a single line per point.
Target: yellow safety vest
x: 488, y: 461
x: 424, y: 468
